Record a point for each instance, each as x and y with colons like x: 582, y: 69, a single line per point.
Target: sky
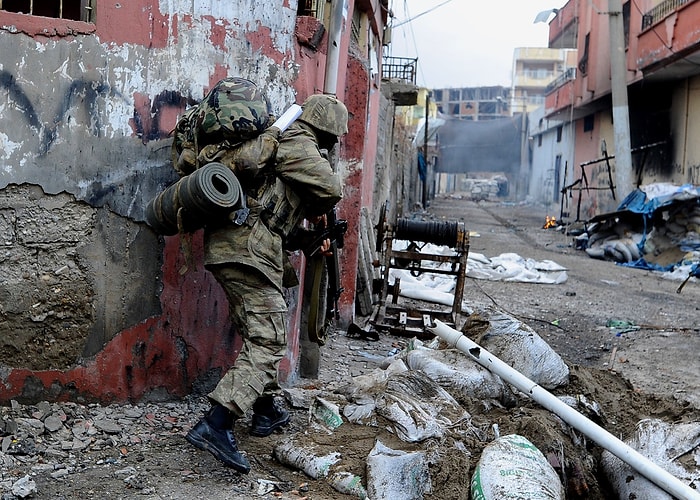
x: 466, y: 43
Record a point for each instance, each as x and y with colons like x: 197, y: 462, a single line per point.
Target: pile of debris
x: 484, y: 189
x: 656, y: 227
x: 432, y: 414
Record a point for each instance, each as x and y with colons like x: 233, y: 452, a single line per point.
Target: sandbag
x: 512, y: 468
x: 518, y: 345
x: 394, y: 474
x: 664, y: 444
x: 460, y: 375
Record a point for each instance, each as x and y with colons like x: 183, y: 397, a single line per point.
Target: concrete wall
x: 93, y: 304
x: 545, y: 182
x: 686, y: 130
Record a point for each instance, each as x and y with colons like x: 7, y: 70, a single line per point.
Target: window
x: 559, y: 132
x: 76, y: 10
x: 588, y: 123
x: 308, y: 8
x: 583, y: 62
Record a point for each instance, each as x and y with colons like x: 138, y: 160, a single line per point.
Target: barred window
x: 76, y: 10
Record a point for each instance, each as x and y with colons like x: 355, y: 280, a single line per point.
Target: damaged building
x: 94, y: 305
x: 572, y: 143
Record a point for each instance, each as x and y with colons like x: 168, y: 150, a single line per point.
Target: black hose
x: 440, y: 233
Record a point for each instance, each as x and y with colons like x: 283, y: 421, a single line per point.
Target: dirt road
x: 659, y: 358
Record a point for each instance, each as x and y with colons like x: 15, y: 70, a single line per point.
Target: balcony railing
x: 569, y: 74
x: 400, y: 68
x: 660, y: 12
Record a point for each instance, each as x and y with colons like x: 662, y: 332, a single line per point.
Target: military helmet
x: 235, y: 109
x: 326, y: 113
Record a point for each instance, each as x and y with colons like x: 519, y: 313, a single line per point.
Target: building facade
x: 661, y: 75
x: 473, y: 103
x: 534, y: 68
x: 95, y: 305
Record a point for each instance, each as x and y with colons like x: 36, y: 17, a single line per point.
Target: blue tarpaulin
x: 646, y: 202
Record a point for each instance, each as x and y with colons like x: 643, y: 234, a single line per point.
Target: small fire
x: 549, y: 222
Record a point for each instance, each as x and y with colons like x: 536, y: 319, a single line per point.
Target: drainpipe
x: 621, y: 120
x: 335, y: 31
x: 627, y: 454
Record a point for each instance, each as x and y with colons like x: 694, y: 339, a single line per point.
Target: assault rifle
x: 310, y: 242
x: 336, y: 233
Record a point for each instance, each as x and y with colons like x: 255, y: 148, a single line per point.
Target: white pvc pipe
x: 640, y: 463
x: 284, y: 121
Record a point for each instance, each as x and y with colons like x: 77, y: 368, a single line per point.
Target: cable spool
x: 209, y: 192
x: 451, y: 234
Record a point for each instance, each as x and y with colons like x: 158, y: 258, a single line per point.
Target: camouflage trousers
x: 258, y: 311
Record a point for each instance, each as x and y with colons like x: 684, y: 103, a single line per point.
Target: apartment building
x: 473, y: 103
x: 661, y: 76
x: 534, y: 68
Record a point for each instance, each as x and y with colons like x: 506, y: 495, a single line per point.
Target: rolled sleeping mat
x: 209, y: 193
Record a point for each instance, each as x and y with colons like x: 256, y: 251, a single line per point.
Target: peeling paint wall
x: 93, y: 304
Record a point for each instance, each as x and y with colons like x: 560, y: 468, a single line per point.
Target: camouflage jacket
x: 302, y: 185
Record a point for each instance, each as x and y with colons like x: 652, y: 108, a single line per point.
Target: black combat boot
x: 214, y: 434
x: 267, y: 416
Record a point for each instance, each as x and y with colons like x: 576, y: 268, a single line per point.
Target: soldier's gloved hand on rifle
x: 311, y: 241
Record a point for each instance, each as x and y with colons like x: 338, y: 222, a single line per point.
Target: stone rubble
x: 57, y: 439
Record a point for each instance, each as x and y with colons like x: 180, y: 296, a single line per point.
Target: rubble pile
x: 385, y: 409
x: 52, y: 441
x: 655, y: 229
x: 484, y: 189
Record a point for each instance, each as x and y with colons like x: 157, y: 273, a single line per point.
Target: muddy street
x: 658, y: 358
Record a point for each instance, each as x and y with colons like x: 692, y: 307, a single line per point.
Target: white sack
x: 522, y: 348
x: 512, y: 468
x: 663, y: 444
x: 395, y: 474
x: 460, y: 375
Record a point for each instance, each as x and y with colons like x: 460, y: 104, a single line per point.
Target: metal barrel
x: 448, y: 233
x: 210, y: 191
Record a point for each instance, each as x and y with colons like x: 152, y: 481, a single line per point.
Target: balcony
x: 400, y: 69
x: 559, y: 99
x: 668, y: 46
x: 563, y: 29
x: 399, y: 80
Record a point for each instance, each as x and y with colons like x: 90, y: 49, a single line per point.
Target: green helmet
x: 234, y: 110
x: 326, y: 113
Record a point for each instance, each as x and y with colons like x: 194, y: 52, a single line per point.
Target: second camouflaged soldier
x: 251, y: 264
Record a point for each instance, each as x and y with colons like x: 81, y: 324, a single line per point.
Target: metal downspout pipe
x: 338, y: 8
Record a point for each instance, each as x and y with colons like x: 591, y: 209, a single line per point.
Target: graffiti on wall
x: 152, y: 120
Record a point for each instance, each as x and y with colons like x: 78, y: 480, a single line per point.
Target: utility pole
x: 424, y: 199
x: 621, y: 121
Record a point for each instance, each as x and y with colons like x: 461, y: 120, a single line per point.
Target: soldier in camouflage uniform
x: 293, y: 182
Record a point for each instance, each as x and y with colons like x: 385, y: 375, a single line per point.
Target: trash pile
x: 657, y: 227
x: 484, y: 189
x: 433, y: 415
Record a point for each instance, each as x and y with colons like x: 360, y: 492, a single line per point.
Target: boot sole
x: 199, y: 442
